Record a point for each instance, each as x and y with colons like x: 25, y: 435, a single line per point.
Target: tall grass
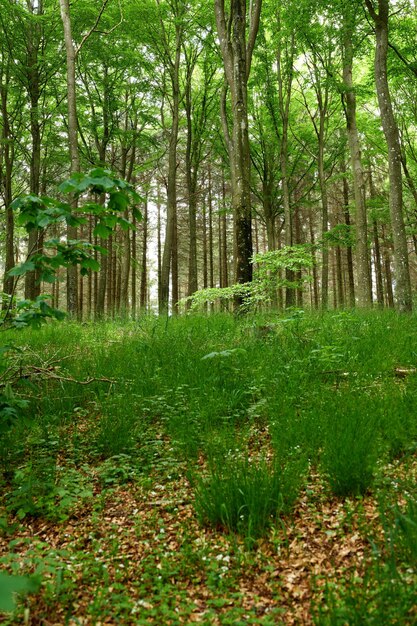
x: 322, y: 383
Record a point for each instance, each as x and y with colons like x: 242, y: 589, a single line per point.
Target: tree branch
x: 92, y: 29
x: 412, y: 68
x: 254, y: 20
x: 371, y: 10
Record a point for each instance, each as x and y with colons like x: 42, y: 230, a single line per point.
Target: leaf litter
x: 138, y: 555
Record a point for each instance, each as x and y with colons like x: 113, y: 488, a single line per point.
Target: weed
x: 245, y: 495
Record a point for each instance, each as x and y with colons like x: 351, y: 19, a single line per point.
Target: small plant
x: 351, y: 447
x: 266, y: 281
x: 44, y: 489
x: 117, y: 470
x: 245, y: 496
x: 11, y: 585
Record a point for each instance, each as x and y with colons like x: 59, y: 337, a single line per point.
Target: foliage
x: 43, y: 488
x: 267, y: 280
x: 11, y: 585
x: 43, y: 212
x: 257, y: 430
x: 245, y: 495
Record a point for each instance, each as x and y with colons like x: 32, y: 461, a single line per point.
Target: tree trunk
x: 284, y: 95
x: 403, y: 294
x: 167, y: 257
x: 191, y: 180
x: 236, y: 53
x: 7, y: 146
x: 363, y: 291
x: 71, y: 53
x: 35, y: 243
x: 349, y: 255
x: 144, y: 269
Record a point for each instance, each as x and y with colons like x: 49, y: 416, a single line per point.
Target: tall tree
x: 237, y: 33
x: 363, y: 291
x: 379, y: 13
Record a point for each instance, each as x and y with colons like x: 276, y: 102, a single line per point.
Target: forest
x: 291, y: 128
x: 208, y: 364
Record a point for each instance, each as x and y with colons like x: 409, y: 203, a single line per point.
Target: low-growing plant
x: 351, y: 445
x: 246, y: 495
x: 118, y: 470
x: 41, y: 488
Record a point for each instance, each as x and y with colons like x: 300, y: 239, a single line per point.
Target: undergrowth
x: 245, y: 407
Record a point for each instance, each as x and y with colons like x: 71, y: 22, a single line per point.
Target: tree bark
x: 403, y: 294
x: 71, y: 53
x: 236, y: 50
x: 363, y: 291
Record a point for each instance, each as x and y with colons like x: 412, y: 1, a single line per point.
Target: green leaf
x: 22, y: 268
x: 9, y: 585
x: 91, y: 264
x: 136, y: 213
x: 118, y: 201
x: 103, y: 231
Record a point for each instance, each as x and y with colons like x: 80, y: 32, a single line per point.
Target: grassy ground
x: 214, y: 470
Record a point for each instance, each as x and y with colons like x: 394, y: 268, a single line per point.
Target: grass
x: 242, y: 434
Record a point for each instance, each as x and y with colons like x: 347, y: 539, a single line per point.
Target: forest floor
x: 105, y: 520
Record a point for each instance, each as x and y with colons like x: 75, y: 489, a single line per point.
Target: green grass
x: 243, y: 413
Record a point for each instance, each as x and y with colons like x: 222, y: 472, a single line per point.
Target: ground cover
x: 214, y: 470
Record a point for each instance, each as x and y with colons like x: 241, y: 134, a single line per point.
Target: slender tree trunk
x: 403, y: 294
x: 125, y: 269
x: 159, y: 247
x: 144, y: 269
x: 388, y: 274
x: 211, y: 236
x: 378, y: 266
x: 315, y: 290
x: 71, y: 53
x: 170, y: 230
x: 325, y: 215
x: 236, y: 52
x: 175, y: 267
x: 205, y: 247
x: 6, y: 179
x: 134, y: 265
x: 349, y: 255
x: 191, y: 179
x: 35, y: 243
x: 363, y: 291
x: 284, y: 95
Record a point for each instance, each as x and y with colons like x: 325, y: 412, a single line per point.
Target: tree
x: 363, y: 291
x: 379, y: 13
x: 236, y: 46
